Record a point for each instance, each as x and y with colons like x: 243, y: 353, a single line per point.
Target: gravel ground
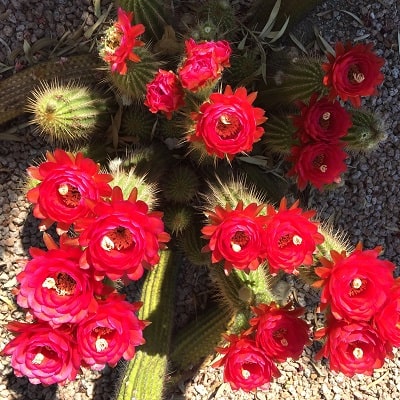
x: 365, y: 206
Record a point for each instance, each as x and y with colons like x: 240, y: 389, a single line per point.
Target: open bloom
x: 54, y: 287
x: 120, y: 41
x: 321, y: 120
x: 290, y: 237
x: 66, y: 182
x: 355, y: 286
x: 228, y: 124
x: 236, y: 236
x: 318, y: 163
x: 246, y: 366
x: 164, y: 93
x: 111, y: 333
x: 43, y: 354
x: 279, y: 331
x: 204, y: 63
x: 353, y: 72
x: 352, y: 347
x: 123, y: 239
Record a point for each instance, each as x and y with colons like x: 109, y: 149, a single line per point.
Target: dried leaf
x: 298, y: 43
x: 324, y: 45
x: 354, y: 16
x: 271, y: 20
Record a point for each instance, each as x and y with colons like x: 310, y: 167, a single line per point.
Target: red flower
x: 120, y: 41
x: 279, y: 331
x: 123, y: 239
x: 355, y: 286
x: 387, y: 320
x: 67, y: 181
x: 164, y: 93
x: 54, y: 287
x: 353, y: 72
x: 318, y: 163
x: 246, y: 366
x: 204, y: 63
x: 290, y: 237
x: 43, y: 354
x: 321, y: 120
x: 352, y: 348
x: 236, y: 236
x: 228, y: 123
x: 111, y: 333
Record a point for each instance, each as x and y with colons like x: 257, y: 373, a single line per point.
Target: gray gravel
x: 365, y: 206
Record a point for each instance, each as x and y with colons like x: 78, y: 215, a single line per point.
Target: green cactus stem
x: 145, y: 373
x: 279, y: 134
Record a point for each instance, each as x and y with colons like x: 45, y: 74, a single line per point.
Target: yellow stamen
x: 107, y: 244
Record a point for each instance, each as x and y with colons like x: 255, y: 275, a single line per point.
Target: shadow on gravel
x: 28, y: 391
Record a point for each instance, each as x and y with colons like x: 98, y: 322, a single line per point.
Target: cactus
x: 192, y: 243
x: 279, y: 134
x: 145, y: 373
x: 66, y: 113
x: 178, y: 218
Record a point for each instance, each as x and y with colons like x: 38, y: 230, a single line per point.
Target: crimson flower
x: 352, y: 347
x: 204, y: 63
x: 290, y: 237
x: 387, y: 321
x: 54, y: 287
x: 67, y: 181
x: 353, y: 72
x: 111, y: 333
x: 228, y: 123
x: 43, y: 354
x: 164, y: 93
x: 123, y: 239
x: 279, y: 331
x: 321, y: 120
x: 246, y: 366
x: 120, y: 41
x: 236, y: 236
x: 355, y: 286
x: 318, y: 163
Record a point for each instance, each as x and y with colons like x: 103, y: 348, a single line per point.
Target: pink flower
x: 164, y: 93
x: 43, y: 354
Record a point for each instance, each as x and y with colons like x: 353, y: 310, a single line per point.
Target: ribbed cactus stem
x: 145, y: 373
x: 279, y: 134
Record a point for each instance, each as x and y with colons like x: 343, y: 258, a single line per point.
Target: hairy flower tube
x: 290, y: 237
x: 236, y: 236
x: 120, y: 41
x: 67, y: 181
x: 355, y: 286
x: 354, y: 71
x: 123, y: 239
x: 228, y: 124
x: 42, y: 353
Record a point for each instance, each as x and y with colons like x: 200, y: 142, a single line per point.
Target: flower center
x: 358, y: 353
x: 228, y: 126
x: 357, y: 286
x: 44, y: 352
x: 288, y: 238
x: 318, y: 163
x: 239, y: 240
x: 112, y: 39
x: 63, y: 284
x: 245, y: 373
x: 38, y: 359
x: 279, y: 335
x: 102, y: 334
x: 325, y: 120
x: 69, y: 194
x: 355, y: 75
x: 119, y: 238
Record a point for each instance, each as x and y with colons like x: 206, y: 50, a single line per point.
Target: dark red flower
x: 43, y: 354
x: 236, y: 236
x: 352, y: 347
x: 67, y: 181
x: 123, y: 239
x: 164, y: 93
x: 353, y: 72
x: 228, y: 124
x: 204, y: 63
x: 279, y: 331
x: 120, y: 41
x: 54, y: 287
x: 290, y: 237
x: 387, y: 320
x: 318, y: 163
x: 246, y: 366
x: 111, y: 333
x: 321, y: 120
x: 355, y: 286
